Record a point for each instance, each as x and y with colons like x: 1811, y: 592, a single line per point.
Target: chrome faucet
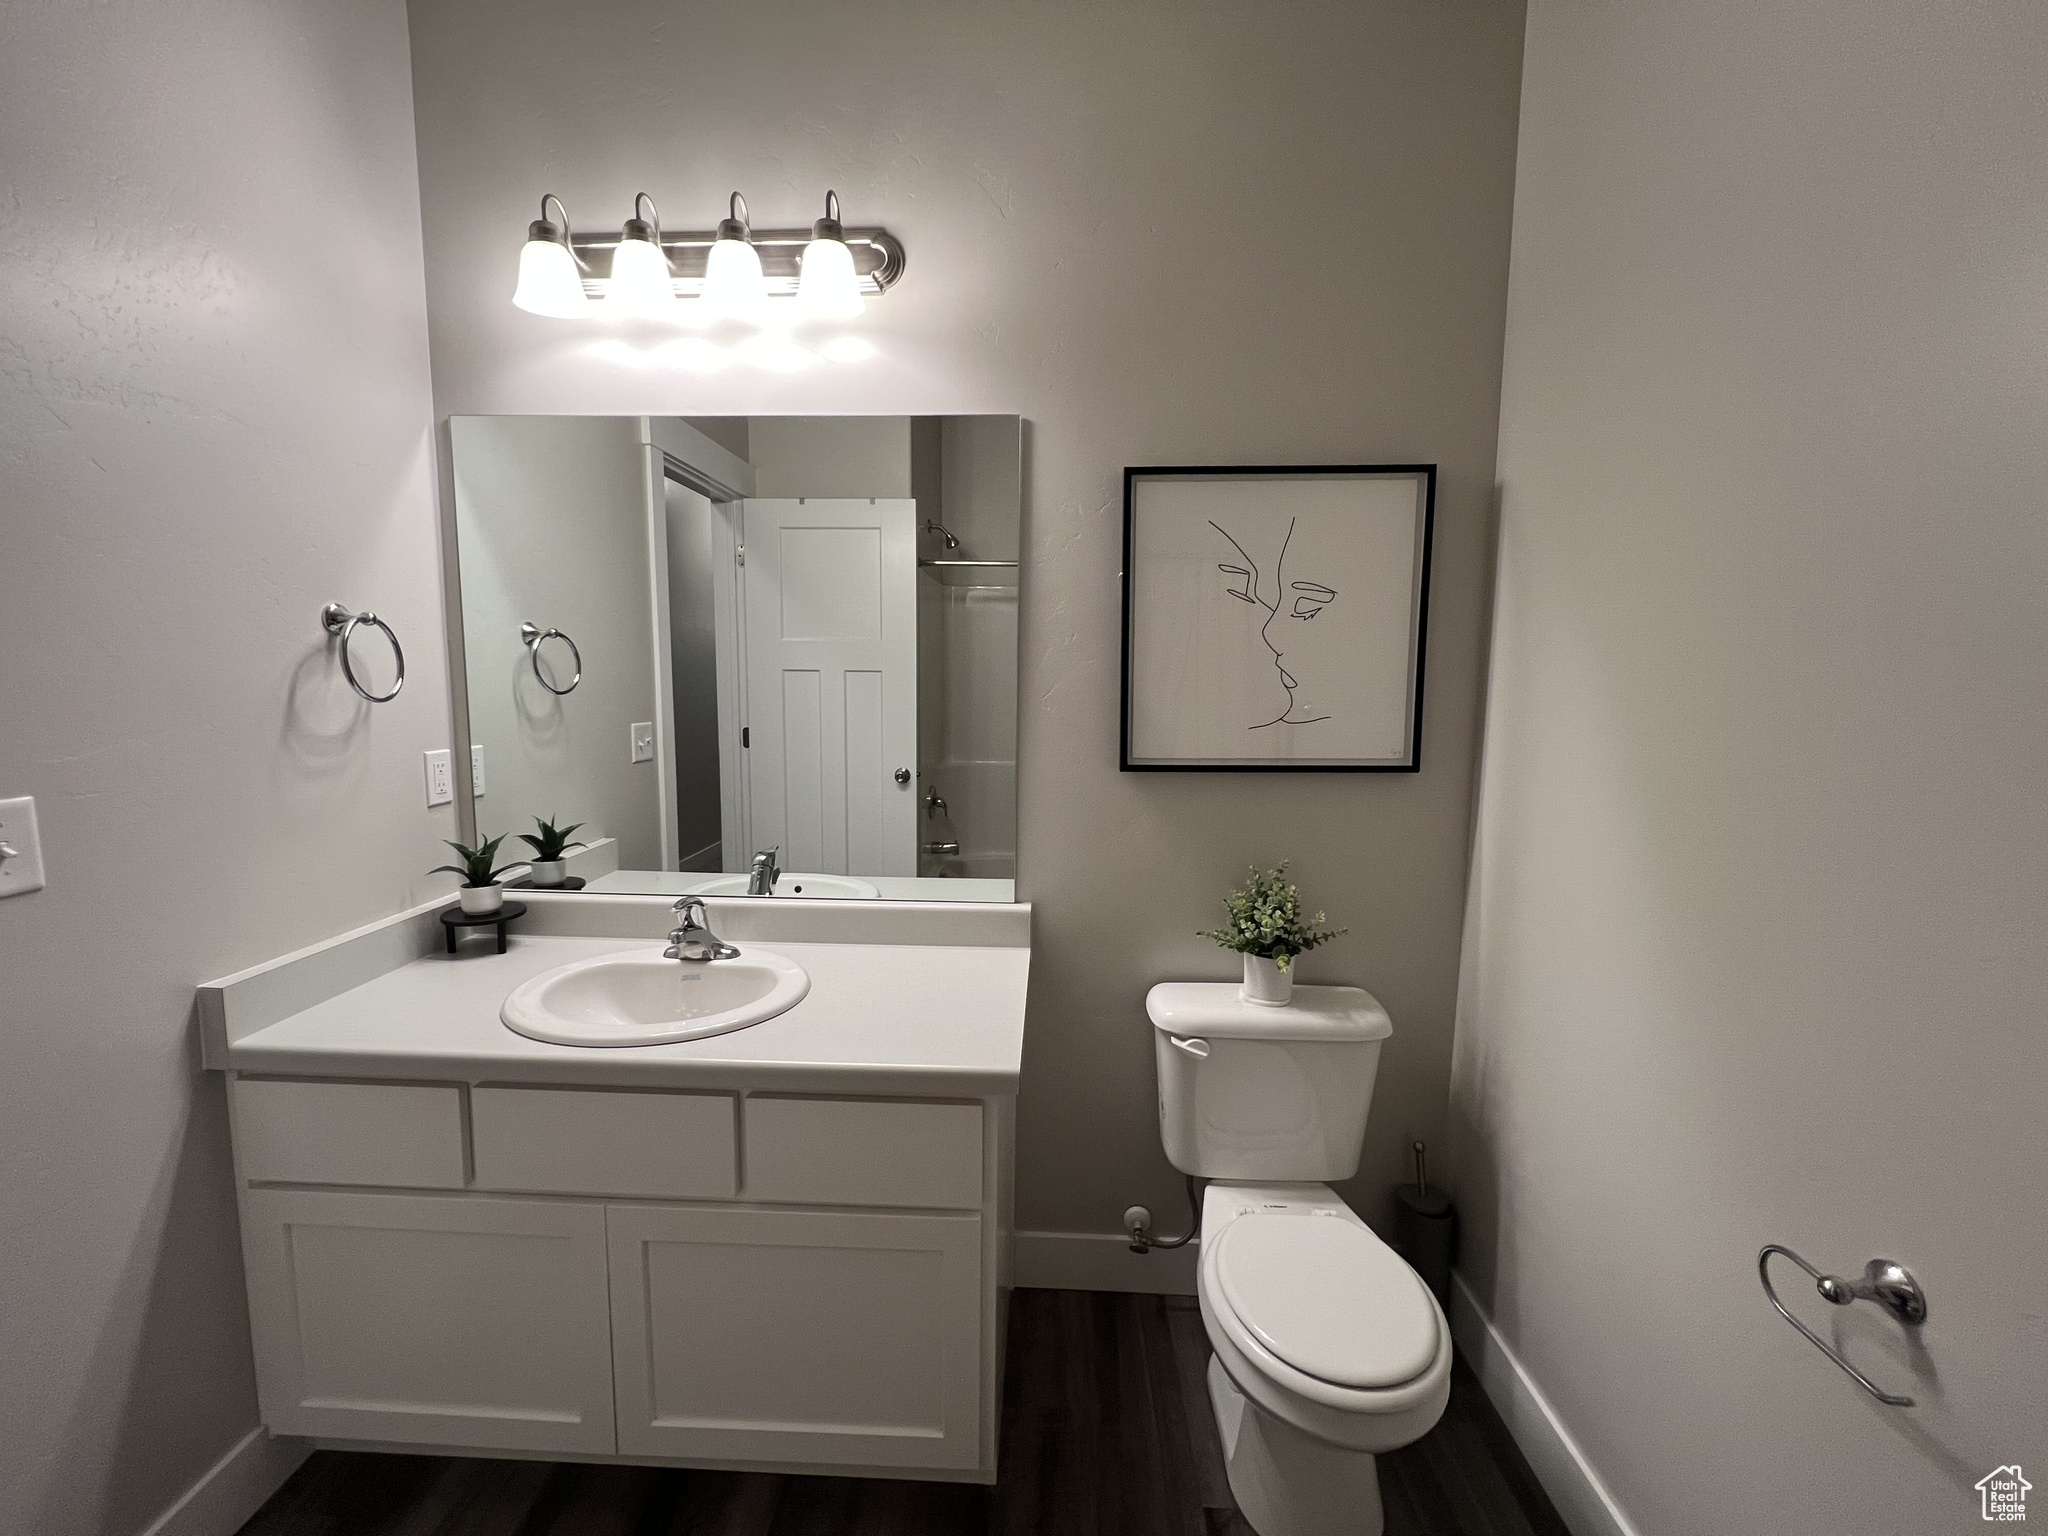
x: 934, y: 802
x: 693, y: 931
x: 766, y: 872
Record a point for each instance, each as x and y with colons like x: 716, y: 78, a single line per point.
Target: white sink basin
x: 842, y: 886
x: 640, y: 998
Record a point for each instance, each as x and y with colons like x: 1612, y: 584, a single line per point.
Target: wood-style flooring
x: 1106, y: 1432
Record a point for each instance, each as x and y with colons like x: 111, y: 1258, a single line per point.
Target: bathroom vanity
x: 783, y: 1247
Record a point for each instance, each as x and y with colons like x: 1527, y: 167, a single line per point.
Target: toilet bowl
x: 1329, y: 1350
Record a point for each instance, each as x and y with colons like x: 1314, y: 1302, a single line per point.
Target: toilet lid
x: 1327, y: 1297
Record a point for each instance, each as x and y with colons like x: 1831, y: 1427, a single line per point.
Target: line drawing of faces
x: 1290, y: 609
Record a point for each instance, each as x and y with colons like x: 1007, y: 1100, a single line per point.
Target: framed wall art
x: 1275, y: 617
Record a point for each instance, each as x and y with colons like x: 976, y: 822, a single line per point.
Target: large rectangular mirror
x: 710, y: 638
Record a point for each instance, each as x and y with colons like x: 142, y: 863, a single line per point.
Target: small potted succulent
x: 481, y: 894
x: 546, y: 865
x: 1266, y: 926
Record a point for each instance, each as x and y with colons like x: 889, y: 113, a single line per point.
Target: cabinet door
x: 431, y: 1320
x: 820, y: 1337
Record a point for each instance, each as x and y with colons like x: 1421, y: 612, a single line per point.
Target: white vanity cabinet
x: 802, y: 1281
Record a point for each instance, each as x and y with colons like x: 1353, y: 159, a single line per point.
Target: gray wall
x: 729, y: 432
x: 553, y: 526
x: 981, y: 466
x: 830, y: 456
x: 1756, y: 945
x: 215, y: 416
x: 1341, y: 174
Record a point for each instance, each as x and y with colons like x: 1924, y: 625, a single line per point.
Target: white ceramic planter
x: 548, y: 873
x: 482, y: 900
x: 1265, y: 983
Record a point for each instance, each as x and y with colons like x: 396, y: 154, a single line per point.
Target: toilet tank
x: 1253, y: 1092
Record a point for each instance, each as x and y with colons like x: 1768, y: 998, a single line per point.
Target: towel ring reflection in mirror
x: 533, y: 635
x: 338, y: 620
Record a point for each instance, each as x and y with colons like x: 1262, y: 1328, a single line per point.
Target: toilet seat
x: 1328, y: 1298
x: 1359, y: 1418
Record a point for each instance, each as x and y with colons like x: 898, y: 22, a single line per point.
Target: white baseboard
x: 1567, y: 1476
x: 1102, y: 1261
x: 234, y: 1487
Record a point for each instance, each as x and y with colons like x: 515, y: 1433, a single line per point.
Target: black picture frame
x: 1134, y: 474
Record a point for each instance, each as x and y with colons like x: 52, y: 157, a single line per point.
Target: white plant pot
x: 1265, y: 983
x: 482, y: 900
x: 548, y: 873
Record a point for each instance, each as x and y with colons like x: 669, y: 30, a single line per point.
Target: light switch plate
x: 440, y: 777
x: 23, y: 871
x: 643, y: 741
x: 476, y: 770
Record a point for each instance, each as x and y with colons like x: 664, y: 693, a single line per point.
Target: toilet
x: 1328, y: 1348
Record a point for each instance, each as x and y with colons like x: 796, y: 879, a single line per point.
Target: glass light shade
x: 549, y: 283
x: 640, y: 281
x: 826, y: 285
x: 733, y: 283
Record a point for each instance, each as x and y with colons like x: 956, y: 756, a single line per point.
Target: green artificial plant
x: 479, y: 866
x: 553, y: 841
x: 1266, y: 919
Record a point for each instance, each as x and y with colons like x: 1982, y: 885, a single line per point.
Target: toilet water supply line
x: 1138, y: 1223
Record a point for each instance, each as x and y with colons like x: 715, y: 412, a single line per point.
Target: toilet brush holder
x: 1426, y: 1230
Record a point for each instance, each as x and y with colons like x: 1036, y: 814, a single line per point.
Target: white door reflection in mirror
x: 830, y: 600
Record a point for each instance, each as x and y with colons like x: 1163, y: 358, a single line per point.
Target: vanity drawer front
x: 676, y: 1146
x: 404, y: 1135
x: 863, y: 1152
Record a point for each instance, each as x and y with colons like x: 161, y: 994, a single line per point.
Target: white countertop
x: 937, y: 1019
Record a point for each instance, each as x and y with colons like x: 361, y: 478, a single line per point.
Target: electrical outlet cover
x: 476, y: 770
x: 22, y: 871
x: 440, y: 777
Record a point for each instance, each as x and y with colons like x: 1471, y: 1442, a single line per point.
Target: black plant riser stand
x: 455, y: 919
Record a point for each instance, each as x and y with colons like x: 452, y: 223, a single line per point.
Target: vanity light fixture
x: 766, y: 280
x: 733, y: 281
x: 826, y: 286
x: 550, y: 271
x: 642, y: 283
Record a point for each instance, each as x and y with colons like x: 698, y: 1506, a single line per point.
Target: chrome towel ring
x: 337, y: 620
x: 1885, y: 1281
x: 533, y: 635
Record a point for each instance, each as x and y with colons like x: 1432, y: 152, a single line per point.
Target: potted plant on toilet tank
x: 1266, y: 926
x: 481, y: 894
x: 546, y: 865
